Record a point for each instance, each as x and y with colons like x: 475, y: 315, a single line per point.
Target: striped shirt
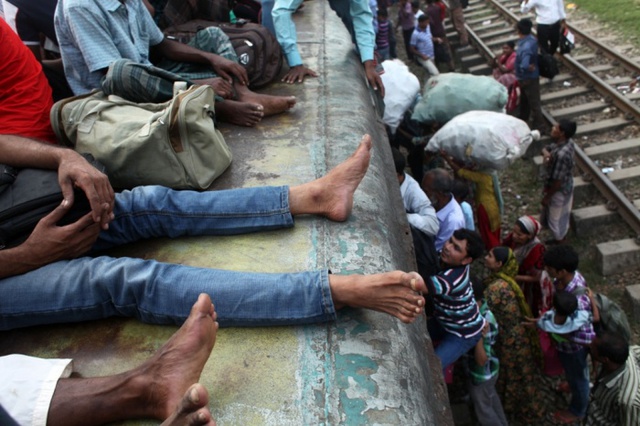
x: 482, y: 373
x: 615, y: 400
x: 585, y: 334
x: 455, y: 307
x: 382, y: 38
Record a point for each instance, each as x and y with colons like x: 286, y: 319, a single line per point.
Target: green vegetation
x: 621, y: 15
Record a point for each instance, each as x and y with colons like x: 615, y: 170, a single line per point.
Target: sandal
x: 565, y: 417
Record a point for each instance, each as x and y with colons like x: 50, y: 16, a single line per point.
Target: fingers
x: 58, y: 213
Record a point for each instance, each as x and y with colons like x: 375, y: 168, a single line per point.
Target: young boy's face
x: 556, y: 133
x: 559, y: 319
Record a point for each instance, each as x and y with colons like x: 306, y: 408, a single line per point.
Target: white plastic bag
x: 401, y: 88
x: 490, y: 139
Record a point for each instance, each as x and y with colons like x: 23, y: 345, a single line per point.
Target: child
x: 383, y: 42
x: 460, y: 192
x: 564, y: 318
x: 422, y: 46
x: 483, y: 367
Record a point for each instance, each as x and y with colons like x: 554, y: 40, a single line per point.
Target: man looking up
x: 456, y: 324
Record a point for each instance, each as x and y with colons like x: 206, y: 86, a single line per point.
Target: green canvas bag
x: 173, y: 144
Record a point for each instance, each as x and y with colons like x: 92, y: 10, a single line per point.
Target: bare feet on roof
x: 240, y: 113
x: 395, y: 293
x: 193, y: 409
x: 272, y: 104
x: 332, y: 194
x: 178, y: 364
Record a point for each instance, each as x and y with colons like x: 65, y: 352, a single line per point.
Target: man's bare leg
x: 152, y: 390
x: 395, y: 293
x: 332, y: 194
x: 271, y: 104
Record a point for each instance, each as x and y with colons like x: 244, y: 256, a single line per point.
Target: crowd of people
x: 531, y: 314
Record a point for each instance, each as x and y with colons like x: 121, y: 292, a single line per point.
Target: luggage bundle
x: 174, y: 144
x: 447, y: 95
x: 489, y: 139
x: 401, y: 89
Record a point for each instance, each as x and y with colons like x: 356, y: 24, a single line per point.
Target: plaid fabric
x: 147, y: 83
x: 480, y: 374
x: 211, y: 39
x: 561, y: 165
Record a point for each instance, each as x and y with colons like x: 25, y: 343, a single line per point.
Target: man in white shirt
x: 550, y: 19
x: 421, y: 214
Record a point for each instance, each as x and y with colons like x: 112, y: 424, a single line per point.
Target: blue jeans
x: 90, y: 288
x: 576, y: 370
x: 450, y: 346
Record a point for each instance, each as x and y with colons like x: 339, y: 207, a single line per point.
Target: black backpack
x: 547, y: 65
x: 258, y: 50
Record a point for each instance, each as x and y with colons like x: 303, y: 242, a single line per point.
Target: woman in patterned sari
x: 517, y: 346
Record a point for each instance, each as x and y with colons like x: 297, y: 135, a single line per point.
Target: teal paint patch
x: 353, y: 376
x: 360, y: 329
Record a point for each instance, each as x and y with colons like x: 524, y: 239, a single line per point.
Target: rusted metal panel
x: 367, y: 368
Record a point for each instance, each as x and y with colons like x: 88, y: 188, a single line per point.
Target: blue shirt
x: 422, y: 41
x: 527, y: 54
x: 467, y: 212
x: 286, y: 30
x: 93, y: 34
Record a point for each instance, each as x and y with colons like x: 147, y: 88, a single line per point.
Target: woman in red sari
x: 529, y: 252
x: 504, y: 65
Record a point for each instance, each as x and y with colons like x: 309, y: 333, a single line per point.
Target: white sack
x: 490, y: 139
x: 401, y: 88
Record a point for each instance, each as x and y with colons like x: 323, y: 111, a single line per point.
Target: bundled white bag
x: 492, y: 140
x: 401, y: 89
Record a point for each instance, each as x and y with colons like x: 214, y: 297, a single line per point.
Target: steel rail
x: 603, y: 184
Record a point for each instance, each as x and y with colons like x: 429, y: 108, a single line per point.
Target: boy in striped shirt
x: 456, y: 322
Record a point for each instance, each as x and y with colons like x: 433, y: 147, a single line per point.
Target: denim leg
x: 576, y: 370
x: 450, y: 347
x: 267, y: 19
x: 155, y: 211
x: 160, y: 293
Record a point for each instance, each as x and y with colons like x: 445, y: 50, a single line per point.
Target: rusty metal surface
x: 367, y: 368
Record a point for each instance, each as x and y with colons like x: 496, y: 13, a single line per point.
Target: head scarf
x: 507, y: 273
x: 533, y: 229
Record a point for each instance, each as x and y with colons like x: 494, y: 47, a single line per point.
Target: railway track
x: 589, y: 91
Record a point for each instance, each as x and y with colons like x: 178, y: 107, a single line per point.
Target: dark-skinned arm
x: 180, y: 52
x: 73, y: 172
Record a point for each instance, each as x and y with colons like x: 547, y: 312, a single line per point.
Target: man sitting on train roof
x: 108, y: 44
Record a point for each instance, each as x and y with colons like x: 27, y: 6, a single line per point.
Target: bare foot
x: 394, y: 293
x: 332, y: 194
x: 193, y: 409
x: 178, y: 364
x: 272, y: 104
x: 239, y: 113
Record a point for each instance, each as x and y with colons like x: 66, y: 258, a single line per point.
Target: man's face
x: 427, y: 187
x: 553, y: 272
x: 593, y: 349
x: 423, y: 24
x: 555, y: 132
x: 454, y: 252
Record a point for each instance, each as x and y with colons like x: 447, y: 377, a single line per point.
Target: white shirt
x: 420, y: 213
x: 418, y: 14
x: 451, y: 219
x: 547, y: 11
